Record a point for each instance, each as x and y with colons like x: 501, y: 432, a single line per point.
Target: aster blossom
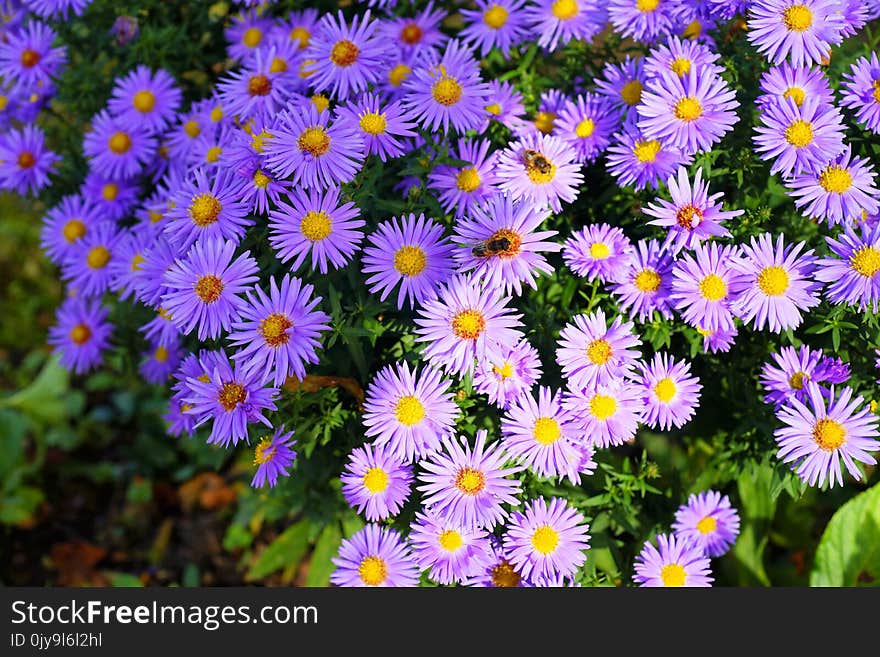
x: 852, y: 270
x: 677, y: 562
x: 708, y: 520
x: 803, y: 31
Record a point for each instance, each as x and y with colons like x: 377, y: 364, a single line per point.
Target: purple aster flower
x: 591, y: 352
x: 465, y: 323
x: 804, y: 30
x: 642, y: 20
x: 505, y: 104
x: 118, y: 148
x: 622, y: 84
x: 25, y: 162
x: 598, y: 251
x: 861, y: 91
x: 158, y: 258
x: 125, y: 29
x: 65, y: 225
x: 501, y: 246
x: 447, y: 90
x: 414, y: 34
x: 499, y: 572
x: 208, y: 149
x: 777, y: 284
x: 346, y: 58
x: 382, y: 125
x: 146, y: 99
x: 27, y: 58
x: 81, y: 333
x: 512, y: 373
x: 544, y: 121
x: 856, y: 14
x: 409, y: 411
x: 717, y: 340
x: 495, y: 24
x: 679, y: 57
x: 299, y: 26
x: 799, y: 139
x: 540, y: 169
x: 257, y: 90
x: 799, y: 83
x: 635, y: 160
x: 114, y: 198
x: 816, y: 435
x: 645, y: 284
x: 547, y: 539
x: 159, y: 362
x: 57, y: 8
x: 207, y: 208
x: 556, y: 22
x: 451, y: 550
x: 670, y: 394
x: 607, y: 413
x: 853, y: 269
x: 708, y: 521
x: 205, y: 287
x: 411, y: 251
x: 788, y: 377
x: 124, y: 267
x: 315, y: 222
x: 678, y: 562
x: 87, y: 271
x: 832, y: 370
x: 463, y: 189
x: 702, y: 286
x: 261, y: 190
x: 469, y: 486
x: 587, y: 123
x: 278, y: 333
x: 161, y: 330
x: 375, y: 482
x: 396, y: 68
x: 273, y: 456
x: 246, y: 33
x: 374, y: 556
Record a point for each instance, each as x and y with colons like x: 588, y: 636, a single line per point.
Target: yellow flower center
x: 693, y: 29
x: 144, y: 101
x: 773, y: 281
x: 599, y: 250
x: 467, y: 180
x: 689, y: 217
x: 321, y: 102
x: 110, y: 191
x: 681, y: 66
x: 688, y: 109
x: 665, y: 390
x: 505, y: 371
x: 544, y: 122
x: 316, y: 226
x: 647, y: 6
x: 204, y: 209
x: 278, y: 65
x: 713, y: 288
x: 446, y: 91
x: 261, y: 180
x: 74, y: 230
x: 192, y: 129
x: 876, y: 93
x: 410, y: 260
x: 274, y: 329
x: 373, y: 571
x: 231, y: 395
x: 208, y: 288
x: 585, y: 129
x: 646, y: 151
x: 137, y: 261
x: 314, y: 141
x: 545, y: 539
x: 344, y: 53
x: 546, y: 430
x: 80, y: 334
x: 835, y: 179
x: 599, y: 351
x: 161, y: 354
x: 796, y: 380
x: 540, y: 170
x: 631, y: 92
x: 398, y: 74
x: 409, y: 410
x: 796, y: 94
x: 217, y: 114
x: 450, y: 540
x: 213, y: 154
x: 264, y: 451
x: 252, y: 37
x: 30, y: 58
x: 673, y: 574
x: 504, y: 576
x: 495, y: 17
x: 707, y: 525
x: 866, y: 261
x: 468, y: 324
x: 411, y: 34
x: 647, y: 281
x: 829, y: 434
x: 565, y: 9
x: 302, y: 35
x: 797, y: 18
x: 470, y: 481
x: 119, y: 142
x: 494, y: 109
x: 373, y: 123
x: 603, y: 407
x: 259, y: 85
x: 799, y: 133
x: 98, y: 257
x: 376, y: 480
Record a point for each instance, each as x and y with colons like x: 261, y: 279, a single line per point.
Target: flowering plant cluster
x: 518, y: 225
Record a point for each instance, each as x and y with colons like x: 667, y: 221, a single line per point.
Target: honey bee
x: 535, y: 160
x: 490, y: 247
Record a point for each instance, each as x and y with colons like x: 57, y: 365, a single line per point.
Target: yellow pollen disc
x: 164, y: 314
x: 681, y: 66
x: 305, y: 68
x: 585, y: 129
x: 546, y: 430
x: 505, y: 371
x: 302, y: 35
x: 252, y: 37
x: 450, y: 540
x: 208, y: 288
x: 344, y: 53
x: 797, y: 380
x: 155, y: 217
x: 80, y: 334
x: 544, y: 122
x: 278, y: 65
x: 689, y: 217
x: 467, y: 180
x: 274, y: 329
x: 372, y: 571
x: 409, y: 410
x: 705, y: 332
x: 110, y: 191
x: 314, y: 141
x: 98, y: 257
x: 647, y: 6
x: 599, y: 351
x: 829, y: 434
x: 797, y: 18
x: 137, y: 261
x: 217, y: 114
x: 603, y: 407
x: 410, y: 260
x: 144, y: 101
x: 773, y: 281
x: 373, y: 123
x: 876, y: 93
x: 161, y: 354
x: 646, y: 151
x: 316, y: 226
x: 495, y: 17
x: 213, y: 154
x: 514, y: 241
x: 446, y: 91
x: 665, y: 389
x: 231, y: 395
x: 707, y: 525
x: 545, y: 539
x: 470, y: 481
x: 376, y: 480
x: 192, y: 129
x: 204, y: 210
x: 74, y: 230
x: 204, y: 378
x: 30, y: 58
x: 688, y: 109
x: 796, y: 94
x: 261, y: 180
x: 866, y: 261
x: 411, y: 34
x: 26, y: 160
x: 398, y: 74
x: 713, y: 288
x: 541, y: 176
x: 565, y: 9
x: 504, y: 576
x: 259, y: 85
x: 494, y: 109
x: 4, y: 101
x: 835, y: 179
x: 799, y: 133
x: 631, y: 92
x: 119, y: 143
x: 468, y: 324
x: 321, y: 102
x: 599, y: 250
x: 264, y: 451
x: 673, y: 574
x: 693, y: 29
x: 647, y: 281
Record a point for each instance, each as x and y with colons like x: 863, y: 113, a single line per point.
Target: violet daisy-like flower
x: 787, y: 376
x: 861, y: 91
x: 125, y: 267
x: 702, y: 286
x: 25, y: 162
x: 66, y: 224
x: 27, y: 58
x: 81, y: 333
x: 207, y: 206
x: 556, y: 22
x: 692, y: 112
x: 709, y: 521
x: 159, y: 362
x: 256, y: 90
x: 246, y: 33
x: 679, y: 57
x: 598, y: 251
x: 118, y: 148
x: 375, y: 482
x: 641, y: 162
x: 465, y: 323
x: 799, y: 83
x: 607, y: 413
x: 146, y: 98
x: 670, y: 394
x: 501, y: 246
x: 587, y: 124
x: 273, y: 456
x: 469, y: 485
x: 505, y: 104
x: 513, y: 372
x: 541, y: 170
x: 591, y: 352
x: 346, y: 58
x: 414, y: 34
x: 447, y: 91
x: 547, y: 539
x: 495, y: 24
x: 717, y: 340
x: 802, y: 30
x: 413, y: 252
x: 375, y: 556
x: 315, y: 222
x: 853, y: 269
x: 838, y: 192
x: 777, y: 284
x: 382, y: 125
x: 645, y: 284
x: 449, y: 550
x: 499, y: 573
x: 161, y: 330
x: 57, y: 8
x: 622, y: 84
x: 642, y: 20
x: 678, y: 562
x: 280, y: 332
x: 799, y: 139
x: 88, y: 270
x: 409, y: 411
x: 299, y: 26
x: 819, y: 433
x: 159, y: 257
x: 463, y: 189
x: 205, y: 287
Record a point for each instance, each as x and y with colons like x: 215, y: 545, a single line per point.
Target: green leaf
x: 123, y: 580
x: 20, y: 505
x: 758, y: 507
x: 44, y: 399
x: 320, y: 566
x: 849, y: 551
x: 284, y: 552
